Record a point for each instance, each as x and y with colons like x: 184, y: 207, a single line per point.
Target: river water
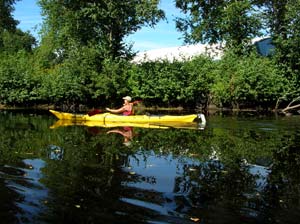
x: 238, y: 169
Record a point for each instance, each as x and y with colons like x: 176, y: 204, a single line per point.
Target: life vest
x: 129, y: 111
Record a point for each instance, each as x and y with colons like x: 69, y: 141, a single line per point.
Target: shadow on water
x: 239, y: 169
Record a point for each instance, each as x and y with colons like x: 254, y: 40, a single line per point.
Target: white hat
x: 128, y: 98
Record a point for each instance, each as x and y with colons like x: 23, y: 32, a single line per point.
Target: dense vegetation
x: 82, y: 58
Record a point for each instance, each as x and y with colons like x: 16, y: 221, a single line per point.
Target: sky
x: 164, y: 35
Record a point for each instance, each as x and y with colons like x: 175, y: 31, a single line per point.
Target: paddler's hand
x: 108, y: 109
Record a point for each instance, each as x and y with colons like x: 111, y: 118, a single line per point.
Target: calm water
x: 239, y: 169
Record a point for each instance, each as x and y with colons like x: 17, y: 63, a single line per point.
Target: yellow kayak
x: 108, y: 117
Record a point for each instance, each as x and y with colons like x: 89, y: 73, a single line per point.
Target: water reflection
x: 236, y: 170
x: 26, y: 195
x: 126, y: 132
x: 157, y: 125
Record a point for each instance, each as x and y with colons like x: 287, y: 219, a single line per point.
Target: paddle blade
x: 136, y: 102
x: 93, y: 112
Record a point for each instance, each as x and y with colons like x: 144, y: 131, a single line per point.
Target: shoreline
x: 212, y: 110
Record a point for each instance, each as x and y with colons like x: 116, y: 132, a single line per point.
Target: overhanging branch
x: 290, y: 107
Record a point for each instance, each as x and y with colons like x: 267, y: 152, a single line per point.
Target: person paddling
x: 126, y: 109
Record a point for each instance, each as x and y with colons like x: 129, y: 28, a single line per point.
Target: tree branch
x: 290, y: 107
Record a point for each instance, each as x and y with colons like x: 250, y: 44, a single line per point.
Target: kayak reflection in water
x: 126, y: 132
x: 126, y: 109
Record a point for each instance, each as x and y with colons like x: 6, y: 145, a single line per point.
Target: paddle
x: 136, y: 102
x: 93, y: 112
x: 97, y: 111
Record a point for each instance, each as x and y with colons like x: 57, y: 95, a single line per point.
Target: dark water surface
x: 239, y: 169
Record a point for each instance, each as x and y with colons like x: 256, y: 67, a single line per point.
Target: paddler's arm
x: 117, y: 111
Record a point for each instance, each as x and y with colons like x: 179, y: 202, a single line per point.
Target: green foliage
x: 63, y: 85
x: 82, y: 41
x: 198, y: 75
x: 11, y: 38
x: 18, y: 40
x: 102, y: 23
x: 232, y: 22
x: 82, y: 58
x: 18, y: 85
x: 156, y: 81
x: 70, y: 81
x: 283, y: 21
x: 7, y: 22
x: 172, y: 83
x: 112, y: 81
x: 289, y: 46
x: 83, y: 78
x: 247, y: 81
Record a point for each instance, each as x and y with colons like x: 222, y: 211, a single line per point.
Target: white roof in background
x: 182, y: 53
x: 179, y: 53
